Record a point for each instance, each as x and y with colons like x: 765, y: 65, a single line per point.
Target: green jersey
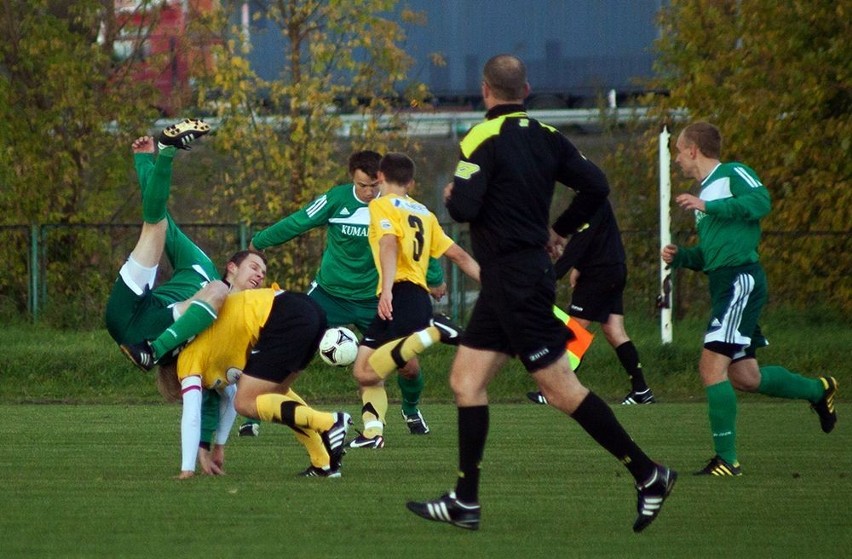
x: 347, y: 269
x: 729, y: 227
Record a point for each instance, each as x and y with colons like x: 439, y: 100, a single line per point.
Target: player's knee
x: 214, y: 294
x: 411, y: 369
x: 365, y: 375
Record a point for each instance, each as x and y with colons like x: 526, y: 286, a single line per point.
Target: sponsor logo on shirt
x: 353, y: 231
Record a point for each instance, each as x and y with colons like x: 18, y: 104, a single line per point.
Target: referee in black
x: 503, y: 187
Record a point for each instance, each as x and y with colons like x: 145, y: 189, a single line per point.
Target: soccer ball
x: 338, y: 346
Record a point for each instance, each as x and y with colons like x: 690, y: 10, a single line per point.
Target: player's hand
x: 439, y: 291
x: 668, y: 253
x: 556, y: 245
x: 208, y: 463
x: 219, y: 457
x: 448, y: 192
x: 385, y: 309
x: 690, y: 202
x: 144, y: 144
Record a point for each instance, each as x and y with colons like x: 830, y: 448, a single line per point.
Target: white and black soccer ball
x: 338, y: 346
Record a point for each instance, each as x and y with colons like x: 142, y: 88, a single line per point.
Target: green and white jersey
x: 729, y: 228
x: 347, y: 269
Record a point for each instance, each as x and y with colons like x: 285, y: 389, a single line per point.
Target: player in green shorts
x: 151, y: 323
x: 728, y: 210
x: 345, y: 284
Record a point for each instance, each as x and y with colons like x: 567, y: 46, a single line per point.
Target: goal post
x: 664, y: 299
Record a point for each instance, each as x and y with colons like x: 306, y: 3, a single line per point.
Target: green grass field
x: 97, y: 481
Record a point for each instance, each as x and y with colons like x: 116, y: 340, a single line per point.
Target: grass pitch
x: 97, y: 481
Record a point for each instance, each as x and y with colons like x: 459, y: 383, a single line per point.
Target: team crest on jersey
x: 466, y: 169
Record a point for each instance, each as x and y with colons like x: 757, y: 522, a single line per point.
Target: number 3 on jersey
x: 417, y: 224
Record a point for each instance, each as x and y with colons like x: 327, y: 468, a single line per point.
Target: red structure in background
x: 166, y: 56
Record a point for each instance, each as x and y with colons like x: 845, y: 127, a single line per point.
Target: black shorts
x: 599, y: 293
x: 289, y: 338
x: 412, y: 311
x: 514, y: 312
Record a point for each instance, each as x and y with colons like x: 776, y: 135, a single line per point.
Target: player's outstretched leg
x: 651, y: 496
x: 183, y: 133
x: 447, y: 508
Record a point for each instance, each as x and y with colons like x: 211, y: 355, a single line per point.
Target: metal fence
x: 62, y: 274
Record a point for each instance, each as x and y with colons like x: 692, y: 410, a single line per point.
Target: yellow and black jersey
x: 226, y: 343
x: 504, y: 183
x: 418, y: 233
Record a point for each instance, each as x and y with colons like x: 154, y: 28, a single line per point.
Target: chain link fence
x: 61, y: 274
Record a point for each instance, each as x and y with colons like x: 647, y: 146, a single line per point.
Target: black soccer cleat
x: 447, y: 508
x: 141, y: 355
x: 450, y: 332
x: 326, y: 471
x: 416, y: 423
x: 183, y: 133
x: 825, y: 406
x: 639, y: 398
x: 651, y: 496
x: 334, y: 438
x: 249, y: 429
x: 537, y: 398
x: 718, y: 466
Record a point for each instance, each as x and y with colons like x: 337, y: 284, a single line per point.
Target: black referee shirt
x: 504, y: 183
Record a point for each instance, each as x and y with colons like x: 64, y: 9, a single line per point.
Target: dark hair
x: 706, y: 137
x: 241, y: 255
x: 366, y: 161
x: 506, y: 75
x: 398, y: 168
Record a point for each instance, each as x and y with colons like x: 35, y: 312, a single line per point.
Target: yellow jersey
x: 419, y: 236
x: 226, y: 343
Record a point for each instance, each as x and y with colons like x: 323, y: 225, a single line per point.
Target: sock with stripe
x: 284, y: 409
x: 374, y: 410
x: 197, y: 318
x: 396, y: 353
